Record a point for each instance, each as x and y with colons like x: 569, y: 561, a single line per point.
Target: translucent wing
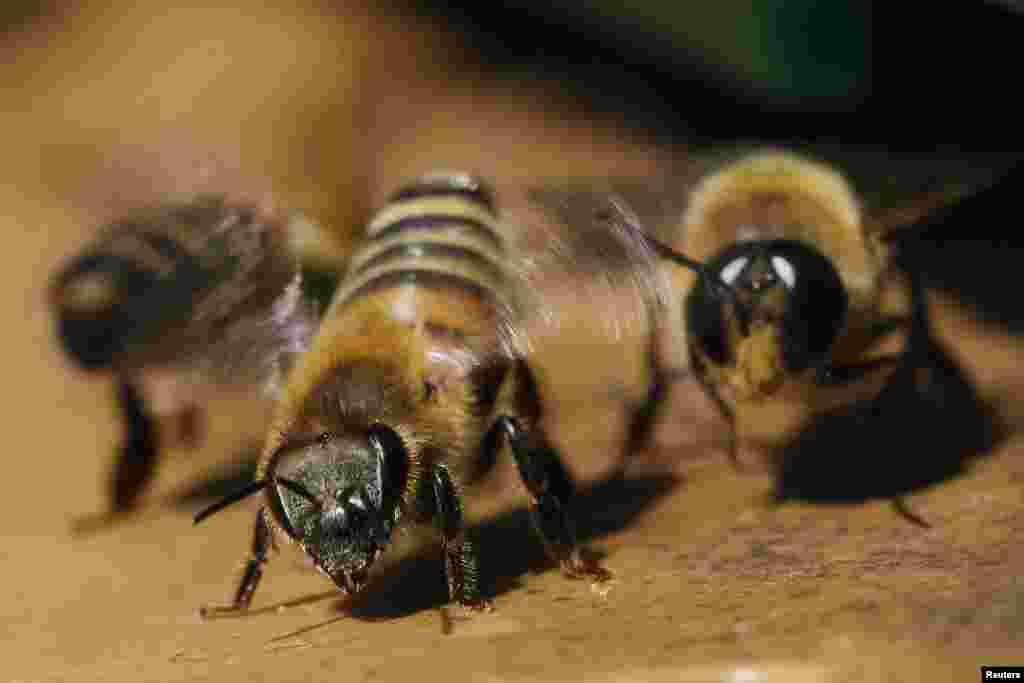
x: 199, y: 289
x: 257, y: 345
x: 322, y: 257
x: 585, y: 258
x: 584, y: 264
x: 201, y: 285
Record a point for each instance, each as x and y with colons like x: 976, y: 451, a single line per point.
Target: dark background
x: 920, y: 80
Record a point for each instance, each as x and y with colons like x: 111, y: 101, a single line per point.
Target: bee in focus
x: 412, y: 385
x: 787, y: 311
x: 202, y: 288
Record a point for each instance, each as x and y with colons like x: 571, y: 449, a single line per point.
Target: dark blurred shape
x: 927, y: 423
x: 929, y: 86
x: 925, y: 427
x: 973, y: 249
x: 797, y: 52
x: 1015, y: 5
x: 675, y: 68
x: 221, y: 482
x: 770, y: 69
x: 19, y: 14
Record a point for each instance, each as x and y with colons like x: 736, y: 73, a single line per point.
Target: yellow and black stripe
x: 406, y: 395
x: 426, y: 300
x: 433, y: 255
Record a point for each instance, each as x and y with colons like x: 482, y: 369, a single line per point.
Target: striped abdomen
x: 434, y: 257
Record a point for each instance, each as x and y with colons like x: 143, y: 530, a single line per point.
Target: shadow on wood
x: 923, y: 428
x: 220, y: 482
x: 508, y: 549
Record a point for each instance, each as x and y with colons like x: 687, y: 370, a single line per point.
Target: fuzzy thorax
x: 376, y: 370
x: 775, y: 194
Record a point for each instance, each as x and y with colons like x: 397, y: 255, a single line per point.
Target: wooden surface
x: 115, y: 106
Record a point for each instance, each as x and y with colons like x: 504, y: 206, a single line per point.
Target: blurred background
x: 324, y: 107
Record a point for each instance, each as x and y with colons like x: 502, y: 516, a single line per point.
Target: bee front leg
x: 644, y: 416
x: 137, y: 461
x: 261, y: 543
x: 551, y: 491
x: 518, y: 412
x: 461, y: 555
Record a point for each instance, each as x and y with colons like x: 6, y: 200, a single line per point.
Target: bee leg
x: 261, y: 542
x: 732, y: 445
x: 645, y: 415
x: 461, y: 555
x: 906, y: 513
x: 518, y: 412
x: 137, y: 460
x: 551, y: 491
x: 138, y: 457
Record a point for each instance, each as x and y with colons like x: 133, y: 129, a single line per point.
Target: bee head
x: 781, y: 284
x: 338, y: 495
x: 91, y: 299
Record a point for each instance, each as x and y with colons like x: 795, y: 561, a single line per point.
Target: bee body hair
x: 411, y: 384
x: 789, y: 311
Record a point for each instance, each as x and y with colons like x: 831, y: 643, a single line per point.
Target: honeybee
x: 785, y: 289
x: 414, y: 381
x: 197, y: 288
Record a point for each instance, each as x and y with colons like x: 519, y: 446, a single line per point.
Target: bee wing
x: 322, y: 257
x: 217, y: 290
x: 258, y: 345
x: 584, y: 265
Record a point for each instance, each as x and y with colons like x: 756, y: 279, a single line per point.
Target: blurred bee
x: 785, y: 290
x: 201, y: 288
x: 414, y: 380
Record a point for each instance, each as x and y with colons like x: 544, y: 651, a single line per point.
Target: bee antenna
x: 231, y: 499
x: 719, y: 288
x: 628, y: 220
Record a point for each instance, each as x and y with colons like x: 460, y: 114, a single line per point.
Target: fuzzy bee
x: 415, y: 380
x: 200, y: 288
x: 783, y: 285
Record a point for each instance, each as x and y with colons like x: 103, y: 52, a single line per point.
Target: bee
x: 413, y: 383
x: 784, y: 287
x: 201, y: 287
